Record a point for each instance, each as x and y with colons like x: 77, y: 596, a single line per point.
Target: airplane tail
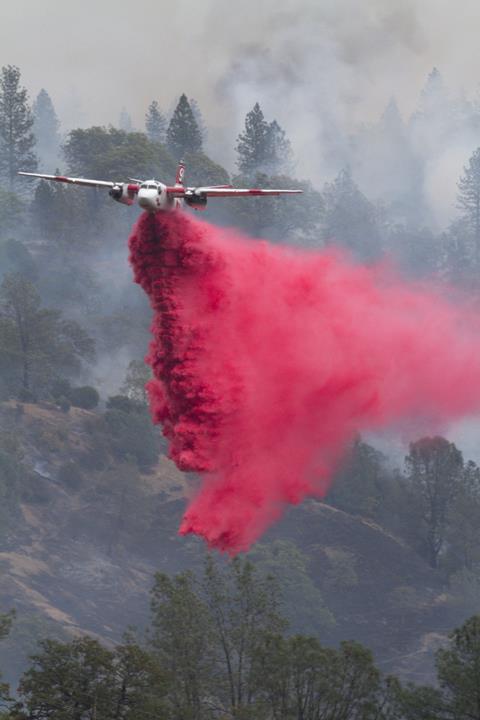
x: 180, y: 173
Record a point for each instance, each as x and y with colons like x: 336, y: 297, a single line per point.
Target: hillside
x: 80, y: 554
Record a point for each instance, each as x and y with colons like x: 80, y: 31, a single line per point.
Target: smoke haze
x: 267, y: 362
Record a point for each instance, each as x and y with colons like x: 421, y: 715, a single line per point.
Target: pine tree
x: 458, y: 671
x: 280, y: 150
x: 197, y: 114
x: 183, y: 134
x: 37, y: 341
x: 350, y: 219
x: 155, y: 123
x: 434, y: 93
x: 254, y: 144
x: 46, y: 129
x: 435, y: 474
x: 468, y: 198
x: 16, y: 120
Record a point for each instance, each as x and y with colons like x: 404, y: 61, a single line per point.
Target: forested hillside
x: 390, y: 561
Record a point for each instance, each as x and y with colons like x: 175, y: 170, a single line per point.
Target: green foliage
x: 132, y: 436
x: 183, y: 134
x: 123, y: 403
x: 126, y: 508
x: 341, y: 573
x: 253, y: 144
x: 16, y: 120
x: 299, y: 673
x: 435, y: 475
x: 155, y: 123
x: 16, y: 258
x: 201, y: 170
x: 138, y: 374
x: 85, y: 397
x: 182, y: 639
x: 12, y: 213
x: 414, y: 702
x: 99, y: 152
x: 56, y: 216
x: 6, y: 620
x: 361, y: 483
x: 262, y: 147
x: 36, y: 343
x: 458, y: 669
x: 469, y: 198
x: 350, y: 219
x: 276, y: 217
x: 81, y: 678
x: 12, y: 474
x: 46, y: 129
x: 303, y: 603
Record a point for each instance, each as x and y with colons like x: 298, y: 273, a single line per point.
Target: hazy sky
x: 341, y: 59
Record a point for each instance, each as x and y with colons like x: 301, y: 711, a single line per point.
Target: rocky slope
x: 80, y: 553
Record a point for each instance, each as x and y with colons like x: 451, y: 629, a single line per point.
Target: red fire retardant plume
x: 268, y: 361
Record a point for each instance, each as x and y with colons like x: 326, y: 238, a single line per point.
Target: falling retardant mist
x: 267, y: 362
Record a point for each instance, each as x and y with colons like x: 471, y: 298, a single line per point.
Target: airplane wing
x: 219, y: 191
x: 72, y: 181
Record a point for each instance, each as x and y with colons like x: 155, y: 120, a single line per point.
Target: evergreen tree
x: 183, y: 134
x: 376, y: 150
x: 16, y: 121
x: 13, y: 210
x: 52, y: 211
x: 155, y: 123
x: 468, y: 199
x: 98, y: 152
x: 279, y: 149
x: 349, y: 217
x: 255, y: 143
x: 361, y: 482
x: 197, y: 114
x: 435, y: 474
x: 82, y: 679
x: 244, y: 610
x: 458, y: 670
x: 182, y: 641
x: 6, y: 620
x: 46, y: 129
x: 36, y: 343
x: 434, y: 93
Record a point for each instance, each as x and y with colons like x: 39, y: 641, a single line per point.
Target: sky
x: 320, y: 67
x: 337, y: 60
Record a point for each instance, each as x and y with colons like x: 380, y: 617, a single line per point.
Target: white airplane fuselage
x: 152, y: 196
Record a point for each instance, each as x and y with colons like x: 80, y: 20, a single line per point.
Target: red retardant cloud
x: 267, y: 361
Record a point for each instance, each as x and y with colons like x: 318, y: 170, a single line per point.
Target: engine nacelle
x: 197, y: 201
x: 123, y: 193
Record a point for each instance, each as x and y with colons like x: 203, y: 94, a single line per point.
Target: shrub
x: 27, y: 396
x: 121, y: 402
x: 60, y: 388
x: 85, y: 397
x: 133, y: 436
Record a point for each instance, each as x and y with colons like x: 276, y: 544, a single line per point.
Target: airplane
x: 154, y: 196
